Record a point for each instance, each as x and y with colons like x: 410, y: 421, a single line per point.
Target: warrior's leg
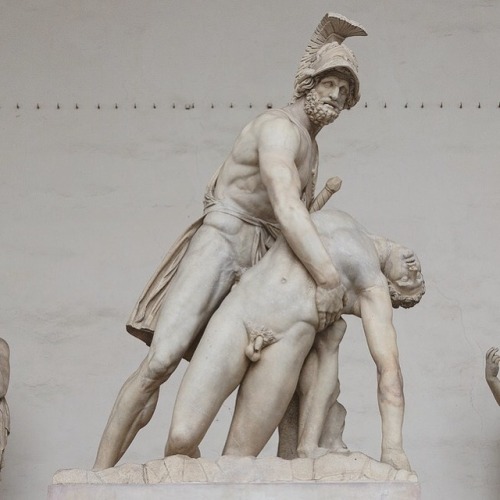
x: 266, y: 391
x: 203, y: 278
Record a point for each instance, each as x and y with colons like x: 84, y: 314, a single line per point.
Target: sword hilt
x: 332, y: 185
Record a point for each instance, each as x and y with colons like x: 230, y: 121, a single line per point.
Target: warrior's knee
x: 160, y: 364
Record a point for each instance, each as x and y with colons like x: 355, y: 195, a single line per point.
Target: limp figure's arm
x: 4, y: 368
x: 491, y: 372
x: 278, y: 147
x: 376, y: 315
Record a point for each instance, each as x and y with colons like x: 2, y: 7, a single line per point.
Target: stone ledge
x: 181, y: 469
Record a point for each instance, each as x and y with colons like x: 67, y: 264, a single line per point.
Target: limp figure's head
x: 404, y: 276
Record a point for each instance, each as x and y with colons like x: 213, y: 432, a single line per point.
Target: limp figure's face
x: 404, y: 275
x: 407, y: 273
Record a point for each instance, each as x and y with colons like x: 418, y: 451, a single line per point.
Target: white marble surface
x: 283, y: 491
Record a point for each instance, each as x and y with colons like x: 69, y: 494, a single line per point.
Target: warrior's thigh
x: 203, y: 278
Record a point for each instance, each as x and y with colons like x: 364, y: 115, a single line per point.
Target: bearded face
x: 320, y: 112
x: 327, y: 98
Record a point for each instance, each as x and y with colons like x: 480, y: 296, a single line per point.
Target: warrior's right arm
x: 278, y: 146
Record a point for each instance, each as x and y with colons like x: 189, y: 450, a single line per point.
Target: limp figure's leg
x: 321, y: 417
x: 266, y: 391
x: 216, y: 369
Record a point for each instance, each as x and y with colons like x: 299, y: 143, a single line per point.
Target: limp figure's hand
x: 492, y: 363
x: 329, y: 303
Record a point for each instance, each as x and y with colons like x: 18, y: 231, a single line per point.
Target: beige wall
x: 91, y: 199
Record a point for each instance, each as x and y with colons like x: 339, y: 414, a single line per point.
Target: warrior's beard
x: 318, y: 112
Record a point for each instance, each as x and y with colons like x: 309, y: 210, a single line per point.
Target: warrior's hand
x: 329, y: 303
x: 492, y: 363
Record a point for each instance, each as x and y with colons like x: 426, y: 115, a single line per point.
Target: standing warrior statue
x: 265, y: 186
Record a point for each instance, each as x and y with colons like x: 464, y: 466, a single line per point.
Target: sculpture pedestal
x: 345, y: 476
x: 257, y: 491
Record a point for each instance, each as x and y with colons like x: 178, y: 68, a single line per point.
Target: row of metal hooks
x: 441, y: 105
x: 134, y: 106
x: 269, y: 105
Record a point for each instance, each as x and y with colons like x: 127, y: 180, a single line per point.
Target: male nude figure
x: 491, y: 372
x: 274, y: 304
x: 265, y: 185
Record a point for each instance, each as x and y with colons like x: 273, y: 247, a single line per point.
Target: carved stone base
x: 336, y: 475
x: 394, y: 490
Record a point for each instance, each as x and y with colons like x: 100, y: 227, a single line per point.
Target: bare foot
x: 396, y: 458
x: 338, y: 446
x: 312, y: 452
